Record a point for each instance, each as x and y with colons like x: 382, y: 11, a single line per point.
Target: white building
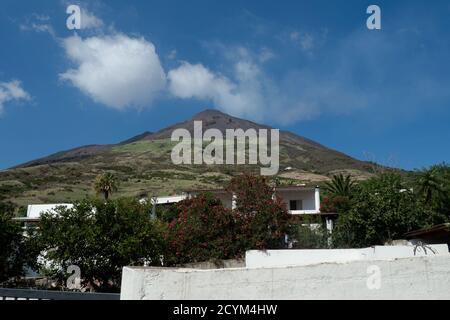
x: 35, y: 211
x: 299, y: 200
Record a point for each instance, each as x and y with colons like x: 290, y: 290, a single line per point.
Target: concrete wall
x: 408, y: 278
x: 221, y: 264
x: 280, y: 258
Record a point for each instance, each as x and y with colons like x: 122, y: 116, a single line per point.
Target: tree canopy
x: 100, y: 238
x: 106, y: 184
x: 13, y: 253
x: 382, y: 210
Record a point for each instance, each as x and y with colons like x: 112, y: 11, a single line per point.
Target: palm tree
x: 430, y: 185
x: 106, y: 184
x: 340, y: 185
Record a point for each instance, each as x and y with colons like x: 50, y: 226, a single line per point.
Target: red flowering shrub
x: 327, y: 206
x: 335, y: 204
x: 262, y: 220
x: 203, y: 231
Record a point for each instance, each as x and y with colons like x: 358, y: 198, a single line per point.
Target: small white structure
x: 35, y: 211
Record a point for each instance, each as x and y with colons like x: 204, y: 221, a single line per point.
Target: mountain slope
x: 143, y: 165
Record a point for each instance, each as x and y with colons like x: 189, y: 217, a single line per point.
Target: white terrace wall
x: 407, y: 278
x: 282, y: 258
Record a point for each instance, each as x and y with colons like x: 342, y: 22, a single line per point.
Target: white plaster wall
x: 307, y: 196
x: 280, y: 258
x: 309, y: 203
x: 407, y: 278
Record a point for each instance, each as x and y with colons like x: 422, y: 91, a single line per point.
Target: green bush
x: 383, y: 209
x: 167, y: 213
x: 100, y: 237
x: 302, y: 236
x: 12, y: 246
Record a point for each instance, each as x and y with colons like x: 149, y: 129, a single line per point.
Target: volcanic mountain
x: 144, y: 167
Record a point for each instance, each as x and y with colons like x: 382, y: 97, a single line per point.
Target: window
x: 295, y: 205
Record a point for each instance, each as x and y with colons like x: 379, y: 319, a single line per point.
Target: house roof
x: 294, y: 188
x: 35, y: 210
x: 169, y: 199
x: 435, y: 230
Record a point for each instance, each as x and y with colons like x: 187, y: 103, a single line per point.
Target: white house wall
x: 307, y: 197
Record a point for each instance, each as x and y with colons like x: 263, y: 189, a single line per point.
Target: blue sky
x: 311, y: 67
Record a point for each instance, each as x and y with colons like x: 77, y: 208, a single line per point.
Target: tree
x: 100, y: 238
x: 203, y: 231
x: 105, y: 184
x: 338, y: 194
x: 383, y: 209
x: 12, y: 248
x: 340, y: 185
x: 305, y: 237
x: 261, y: 214
x: 432, y: 184
x: 432, y: 188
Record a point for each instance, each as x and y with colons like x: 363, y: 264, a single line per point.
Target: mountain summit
x: 143, y: 165
x: 210, y: 118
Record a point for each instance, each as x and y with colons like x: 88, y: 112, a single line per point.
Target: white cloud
x: 38, y: 23
x: 196, y: 81
x: 38, y: 27
x: 41, y: 17
x: 172, y: 54
x: 41, y: 23
x: 266, y: 54
x: 305, y: 41
x: 248, y: 91
x: 10, y: 91
x: 118, y: 71
x: 90, y: 21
